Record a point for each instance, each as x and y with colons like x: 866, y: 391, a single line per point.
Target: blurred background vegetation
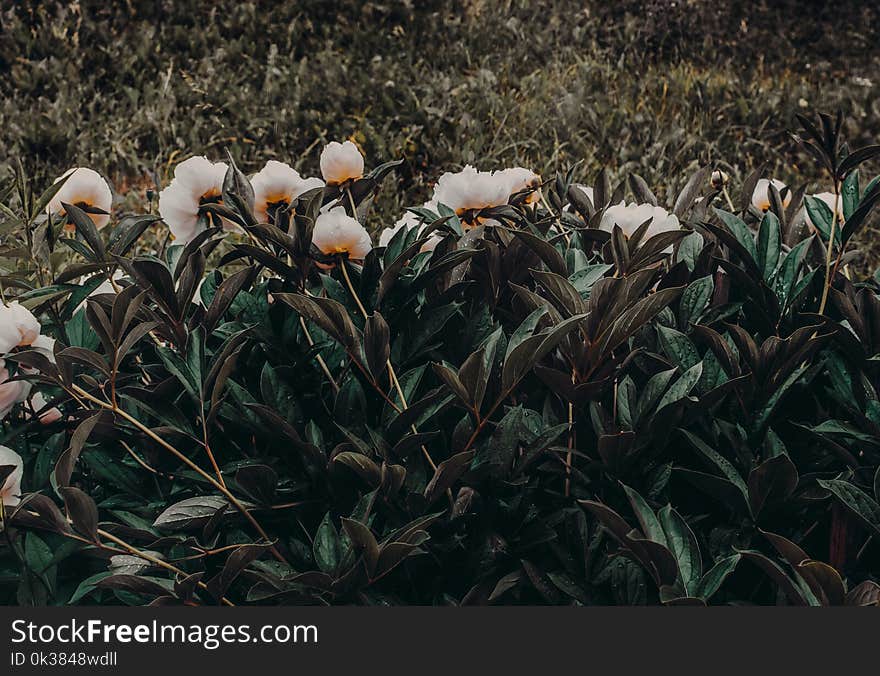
x: 656, y: 87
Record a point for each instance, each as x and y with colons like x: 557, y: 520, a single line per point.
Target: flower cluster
x: 533, y: 398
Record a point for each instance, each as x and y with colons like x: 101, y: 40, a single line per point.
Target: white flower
x: 196, y: 181
x: 519, y: 179
x: 278, y: 184
x: 341, y: 162
x: 10, y: 489
x: 471, y: 190
x: 11, y: 393
x: 829, y: 199
x: 83, y: 188
x: 336, y: 232
x: 9, y: 335
x: 761, y: 194
x: 17, y: 326
x: 630, y: 216
x: 38, y: 401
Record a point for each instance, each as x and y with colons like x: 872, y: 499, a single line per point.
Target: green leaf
x: 720, y: 463
x: 190, y: 513
x: 678, y: 347
x: 85, y: 227
x: 654, y: 389
x: 777, y: 475
x: 856, y: 501
x: 87, y: 586
x: 683, y: 544
x: 689, y: 250
x: 327, y: 547
x: 584, y: 279
x: 740, y: 231
x: 713, y: 579
x: 523, y: 358
x: 849, y: 193
x: 822, y: 217
x: 448, y: 472
x: 787, y: 276
x: 769, y: 244
x: 637, y: 316
x: 525, y: 330
x: 180, y: 370
x: 682, y: 387
x: 647, y: 519
x: 766, y: 411
x: 694, y: 300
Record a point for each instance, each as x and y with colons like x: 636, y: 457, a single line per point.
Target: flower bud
x: 336, y: 232
x: 341, y: 162
x: 719, y: 179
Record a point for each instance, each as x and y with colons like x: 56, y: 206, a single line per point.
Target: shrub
x: 654, y: 88
x: 529, y: 393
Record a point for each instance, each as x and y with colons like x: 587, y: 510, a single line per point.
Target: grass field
x: 655, y: 88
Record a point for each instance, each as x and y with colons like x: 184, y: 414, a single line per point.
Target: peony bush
x: 526, y: 390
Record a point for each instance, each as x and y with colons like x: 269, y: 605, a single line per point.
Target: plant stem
x: 829, y: 275
x: 729, y: 201
x: 318, y: 358
x: 569, y: 457
x: 354, y: 213
x: 391, y: 373
x: 558, y: 220
x: 207, y: 446
x: 156, y: 561
x: 189, y: 463
x: 127, y: 549
x: 134, y: 551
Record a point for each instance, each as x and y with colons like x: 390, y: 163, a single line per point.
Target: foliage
x: 535, y: 411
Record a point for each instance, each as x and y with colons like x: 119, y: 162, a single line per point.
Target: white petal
x: 83, y: 186
x: 9, y: 335
x: 341, y: 162
x: 10, y: 393
x: 201, y: 176
x: 179, y: 208
x: 470, y: 189
x: 518, y: 179
x: 631, y: 216
x: 276, y: 183
x: 11, y: 487
x: 18, y: 326
x: 761, y: 194
x: 337, y: 232
x: 195, y: 179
